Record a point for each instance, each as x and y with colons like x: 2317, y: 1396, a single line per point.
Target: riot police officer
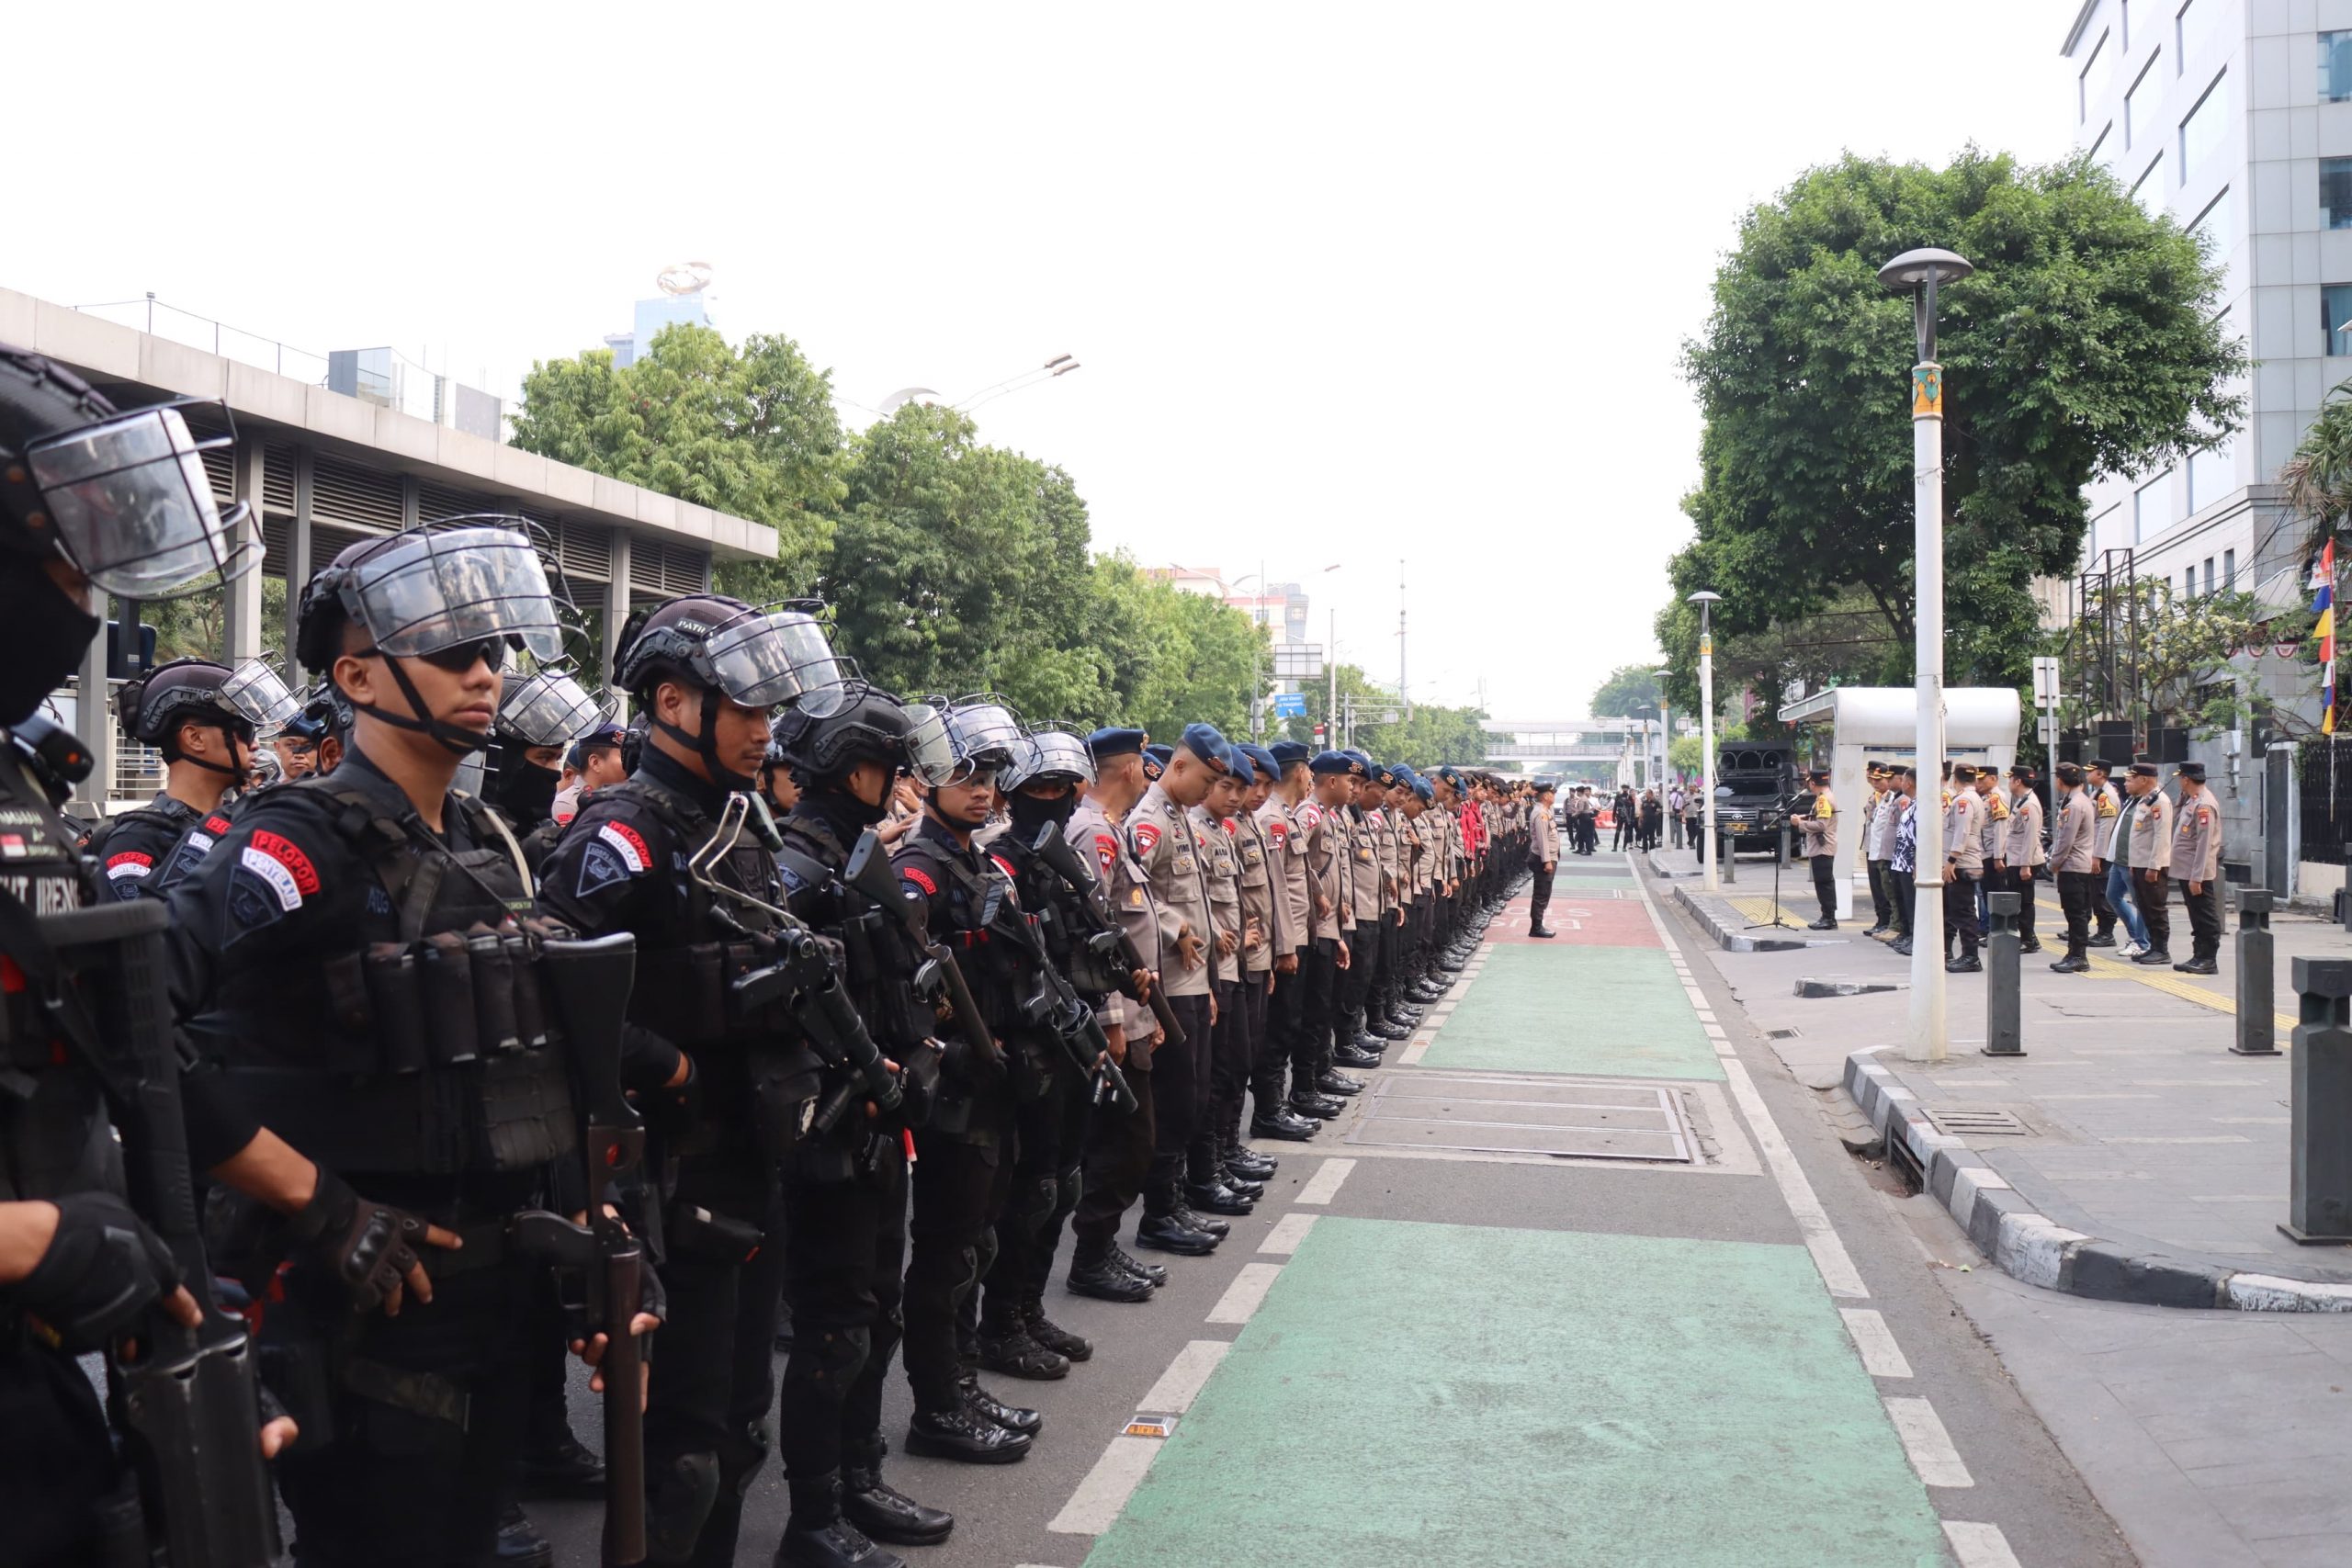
x: 87, y: 495
x: 538, y: 716
x: 845, y: 1190
x: 203, y: 717
x: 665, y: 854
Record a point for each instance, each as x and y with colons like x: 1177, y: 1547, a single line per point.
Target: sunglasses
x: 459, y: 658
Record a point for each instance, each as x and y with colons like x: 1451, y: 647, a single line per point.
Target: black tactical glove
x: 370, y: 1247
x: 648, y: 1063
x: 102, y: 1269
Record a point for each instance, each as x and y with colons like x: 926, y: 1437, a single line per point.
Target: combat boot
x: 1282, y: 1121
x: 1162, y: 1231
x: 1052, y: 1334
x: 1243, y: 1163
x: 1315, y: 1103
x: 986, y: 1405
x: 1208, y: 1224
x: 817, y: 1536
x: 964, y: 1435
x: 558, y: 1465
x: 520, y: 1544
x: 1329, y: 1081
x: 881, y: 1510
x: 1215, y: 1197
x: 1348, y: 1056
x: 1094, y: 1272
x: 1007, y: 1348
x: 1149, y: 1273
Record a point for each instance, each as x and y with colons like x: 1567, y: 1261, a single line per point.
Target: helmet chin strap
x: 706, y: 744
x: 459, y: 740
x: 238, y: 777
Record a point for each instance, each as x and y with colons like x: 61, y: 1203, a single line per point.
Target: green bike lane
x: 1501, y: 1346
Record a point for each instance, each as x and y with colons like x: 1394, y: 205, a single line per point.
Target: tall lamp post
x: 1918, y: 273
x: 1706, y: 602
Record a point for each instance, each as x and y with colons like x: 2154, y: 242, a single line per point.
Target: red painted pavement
x: 1596, y: 922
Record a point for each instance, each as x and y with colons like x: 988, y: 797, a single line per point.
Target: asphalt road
x: 1460, y: 1354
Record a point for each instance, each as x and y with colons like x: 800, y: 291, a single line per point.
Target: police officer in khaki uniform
x: 2074, y: 860
x: 1964, y: 867
x: 1543, y: 859
x: 1292, y: 1012
x: 2151, y: 861
x: 1265, y: 909
x: 2024, y: 851
x: 2197, y: 869
x: 1818, y: 828
x: 1214, y: 828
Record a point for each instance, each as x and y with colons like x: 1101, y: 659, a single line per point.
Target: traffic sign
x: 2045, y: 682
x: 2046, y: 730
x: 1299, y: 661
x: 1290, y: 705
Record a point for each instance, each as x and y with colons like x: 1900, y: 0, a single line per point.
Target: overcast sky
x: 1350, y: 283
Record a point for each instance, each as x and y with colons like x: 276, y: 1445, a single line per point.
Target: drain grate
x: 1780, y: 1034
x: 1966, y: 1122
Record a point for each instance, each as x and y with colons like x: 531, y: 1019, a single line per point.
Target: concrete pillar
x: 298, y: 560
x: 94, y: 721
x: 617, y: 607
x: 240, y: 600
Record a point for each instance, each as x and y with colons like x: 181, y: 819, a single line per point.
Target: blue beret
x: 1331, y: 763
x: 1426, y: 790
x: 1203, y: 741
x: 1363, y: 757
x: 1450, y: 776
x: 1405, y: 773
x: 1382, y: 773
x: 603, y: 735
x: 1287, y: 753
x: 1157, y: 758
x: 1262, y: 761
x: 1237, y: 763
x: 1105, y: 744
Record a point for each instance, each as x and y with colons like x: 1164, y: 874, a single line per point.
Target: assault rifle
x: 868, y: 877
x: 1075, y: 870
x: 804, y: 977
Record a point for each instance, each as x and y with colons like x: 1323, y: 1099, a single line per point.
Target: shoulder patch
x: 1232, y: 829
x: 627, y: 844
x: 909, y: 872
x: 1147, y: 838
x: 1106, y: 849
x: 216, y: 823
x: 1277, y: 829
x: 129, y: 863
x: 601, y: 865
x: 1310, y: 814
x: 288, y: 853
x: 1004, y: 865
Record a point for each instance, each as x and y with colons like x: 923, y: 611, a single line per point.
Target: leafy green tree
x: 1629, y: 687
x: 750, y: 432
x: 2086, y: 343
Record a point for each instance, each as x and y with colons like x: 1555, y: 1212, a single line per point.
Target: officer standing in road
x: 664, y: 854
x: 2074, y: 857
x: 1119, y: 1155
x: 1544, y: 860
x: 2197, y: 869
x: 1817, y: 825
x: 2150, y: 858
x: 203, y: 717
x: 846, y: 1186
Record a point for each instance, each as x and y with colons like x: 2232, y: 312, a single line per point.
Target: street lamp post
x: 1706, y: 602
x: 1917, y: 273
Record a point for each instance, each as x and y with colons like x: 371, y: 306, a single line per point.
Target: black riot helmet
x: 239, y: 703
x: 472, y: 587
x: 726, y: 648
x: 870, y: 726
x: 1052, y: 754
x: 987, y: 734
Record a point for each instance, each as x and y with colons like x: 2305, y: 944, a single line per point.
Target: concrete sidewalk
x: 2127, y: 1156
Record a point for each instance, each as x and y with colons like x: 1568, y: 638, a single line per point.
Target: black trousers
x: 1882, y: 895
x: 1048, y: 1154
x: 960, y: 1184
x: 1539, y: 901
x: 2079, y: 893
x: 2204, y: 918
x: 1903, y: 892
x: 1825, y: 884
x: 1960, y: 910
x: 2100, y: 906
x: 1232, y: 1052
x: 1182, y: 1074
x: 1363, y: 973
x: 1311, y: 1046
x: 1118, y: 1160
x: 845, y: 1246
x: 443, y: 1481
x: 1278, y: 1045
x: 56, y: 1459
x: 2155, y: 907
x: 2026, y: 888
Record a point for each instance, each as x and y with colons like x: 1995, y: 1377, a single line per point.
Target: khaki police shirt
x: 1318, y: 840
x: 1222, y: 861
x: 1364, y: 867
x: 1091, y: 832
x: 1164, y: 846
x: 2110, y: 806
x: 1819, y: 825
x: 1544, y: 843
x: 2196, y: 838
x: 1964, y: 832
x: 2152, y: 832
x: 1390, y: 827
x: 1996, y: 828
x: 1260, y: 903
x: 2074, y: 843
x: 2025, y: 831
x: 1286, y: 858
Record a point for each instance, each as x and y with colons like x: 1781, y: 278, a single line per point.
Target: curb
x: 1727, y: 938
x: 1659, y: 869
x: 2033, y: 1248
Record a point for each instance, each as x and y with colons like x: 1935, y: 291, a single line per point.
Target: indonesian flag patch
x: 628, y: 844
x: 1106, y: 849
x: 1147, y: 839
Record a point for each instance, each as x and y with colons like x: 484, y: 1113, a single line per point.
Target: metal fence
x: 2325, y: 789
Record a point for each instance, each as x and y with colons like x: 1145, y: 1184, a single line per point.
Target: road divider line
x: 1242, y: 1298
x: 1410, y: 1056
x: 1096, y: 1506
x: 1979, y: 1546
x: 1324, y: 1185
x: 1925, y: 1443
x: 1185, y: 1377
x: 1288, y: 1232
x: 1882, y: 1356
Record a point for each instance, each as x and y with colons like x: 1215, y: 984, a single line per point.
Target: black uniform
x: 300, y: 946
x: 136, y: 851
x: 621, y: 865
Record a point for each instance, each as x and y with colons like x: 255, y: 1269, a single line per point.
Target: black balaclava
x: 832, y: 803
x: 525, y: 791
x: 1030, y: 812
x: 47, y: 633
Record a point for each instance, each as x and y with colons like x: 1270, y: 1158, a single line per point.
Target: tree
x: 2184, y: 652
x: 2088, y: 343
x: 1629, y: 689
x: 749, y: 431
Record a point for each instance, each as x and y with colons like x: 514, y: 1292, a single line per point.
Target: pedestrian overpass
x: 1624, y: 750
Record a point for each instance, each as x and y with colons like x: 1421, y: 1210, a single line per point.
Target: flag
x: 2324, y: 607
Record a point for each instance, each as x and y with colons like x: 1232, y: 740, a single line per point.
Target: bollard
x: 2001, y: 1033
x: 2257, y: 1037
x: 1724, y: 845
x: 2319, y: 1174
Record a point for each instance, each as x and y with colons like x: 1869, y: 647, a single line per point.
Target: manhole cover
x: 1498, y: 1113
x: 1964, y: 1121
x: 1780, y: 1034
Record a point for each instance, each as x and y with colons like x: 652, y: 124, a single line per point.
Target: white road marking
x: 1979, y: 1546
x: 1288, y: 1232
x: 1185, y: 1377
x: 1706, y: 1015
x: 1242, y: 1298
x: 1927, y: 1444
x: 1882, y: 1356
x: 1324, y: 1185
x: 1096, y: 1506
x: 1410, y: 1056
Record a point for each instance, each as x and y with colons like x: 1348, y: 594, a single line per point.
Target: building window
x: 2336, y: 192
x: 2152, y: 508
x: 2334, y: 67
x: 2103, y: 133
x: 2209, y: 576
x: 2335, y: 319
x: 2092, y: 84
x: 2149, y: 191
x: 2230, y: 569
x: 2212, y: 474
x: 2201, y: 133
x: 2214, y: 222
x: 2140, y: 105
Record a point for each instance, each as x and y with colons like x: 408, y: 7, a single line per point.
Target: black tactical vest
x: 427, y: 1045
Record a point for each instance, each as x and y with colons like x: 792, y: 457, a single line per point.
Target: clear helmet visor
x: 766, y: 658
x: 132, y: 504
x: 461, y: 585
x: 549, y: 708
x: 986, y: 735
x: 258, y: 693
x: 931, y: 751
x: 1052, y: 754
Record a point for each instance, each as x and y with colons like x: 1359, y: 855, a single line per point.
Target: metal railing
x: 156, y: 319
